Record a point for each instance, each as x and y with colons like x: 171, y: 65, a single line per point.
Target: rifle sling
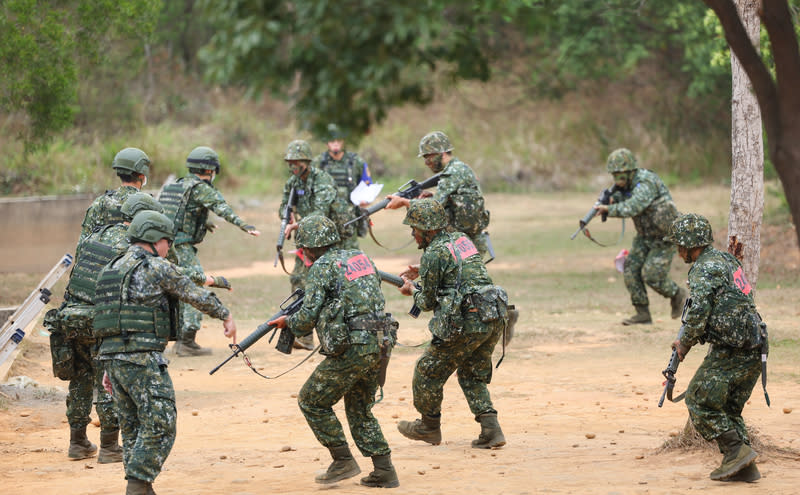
x: 371, y: 234
x: 621, y: 235
x: 280, y: 257
x: 250, y: 365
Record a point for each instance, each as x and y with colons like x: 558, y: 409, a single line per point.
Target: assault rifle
x: 285, y: 218
x: 290, y: 306
x: 674, y: 361
x: 399, y: 282
x: 603, y: 199
x: 409, y: 190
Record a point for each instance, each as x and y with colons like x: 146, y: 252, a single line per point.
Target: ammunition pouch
x: 61, y: 350
x: 491, y: 303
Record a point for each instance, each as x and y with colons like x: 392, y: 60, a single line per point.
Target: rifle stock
x: 399, y: 282
x: 409, y: 190
x: 289, y: 306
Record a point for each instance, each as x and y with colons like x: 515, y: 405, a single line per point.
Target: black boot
x: 427, y: 429
x: 79, y: 446
x: 491, y: 436
x: 737, y: 455
x: 384, y: 475
x: 110, y: 450
x: 186, y: 345
x: 342, y: 467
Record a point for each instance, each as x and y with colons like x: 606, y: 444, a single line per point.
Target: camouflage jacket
x: 649, y: 204
x: 315, y: 195
x: 105, y: 209
x: 460, y: 194
x: 157, y: 280
x: 722, y: 310
x: 347, y: 276
x: 439, y: 276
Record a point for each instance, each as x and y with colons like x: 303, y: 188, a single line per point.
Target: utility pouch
x: 61, y: 351
x: 332, y: 331
x: 75, y: 322
x: 491, y: 301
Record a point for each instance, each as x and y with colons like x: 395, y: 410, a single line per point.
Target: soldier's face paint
x: 689, y: 255
x: 434, y: 162
x: 421, y: 236
x: 621, y: 179
x: 298, y: 167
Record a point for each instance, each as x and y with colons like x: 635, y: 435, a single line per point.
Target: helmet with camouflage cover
x: 132, y: 160
x: 621, y: 160
x: 690, y: 231
x: 434, y: 142
x: 203, y: 158
x: 316, y: 231
x: 298, y: 150
x: 137, y: 202
x: 426, y: 214
x: 150, y: 226
x: 335, y: 133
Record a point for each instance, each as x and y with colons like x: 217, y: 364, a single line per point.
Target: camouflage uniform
x: 722, y: 313
x: 648, y: 201
x: 461, y: 341
x: 346, y: 173
x: 104, y: 210
x: 135, y: 318
x: 353, y: 374
x: 316, y: 195
x: 192, y: 198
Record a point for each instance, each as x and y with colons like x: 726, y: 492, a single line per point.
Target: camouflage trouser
x: 85, y: 384
x: 719, y: 390
x: 470, y: 356
x: 145, y: 402
x: 190, y: 317
x: 354, y: 376
x: 648, y: 263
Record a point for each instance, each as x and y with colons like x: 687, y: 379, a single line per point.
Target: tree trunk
x: 747, y: 170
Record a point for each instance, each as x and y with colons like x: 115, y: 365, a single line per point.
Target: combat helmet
x: 434, y: 142
x: 150, y: 226
x: 132, y: 160
x: 298, y: 150
x: 690, y: 231
x: 316, y: 231
x: 203, y: 158
x: 621, y: 160
x: 426, y: 214
x: 335, y: 133
x: 137, y: 202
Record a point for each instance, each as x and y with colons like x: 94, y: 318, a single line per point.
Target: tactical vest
x: 125, y: 327
x: 112, y: 207
x: 94, y: 255
x: 189, y: 219
x: 656, y: 219
x: 341, y: 171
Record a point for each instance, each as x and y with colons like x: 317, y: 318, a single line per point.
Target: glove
x: 221, y: 282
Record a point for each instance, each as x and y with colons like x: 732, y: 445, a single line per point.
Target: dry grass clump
x: 690, y: 439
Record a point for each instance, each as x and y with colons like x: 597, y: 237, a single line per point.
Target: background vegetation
x: 533, y: 93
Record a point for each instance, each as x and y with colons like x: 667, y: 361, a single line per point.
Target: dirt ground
x: 577, y: 398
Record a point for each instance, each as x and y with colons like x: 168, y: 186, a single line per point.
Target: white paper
x: 365, y: 193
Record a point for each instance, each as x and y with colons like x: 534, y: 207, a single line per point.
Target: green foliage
x: 346, y: 62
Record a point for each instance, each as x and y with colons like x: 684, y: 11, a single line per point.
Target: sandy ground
x: 577, y: 398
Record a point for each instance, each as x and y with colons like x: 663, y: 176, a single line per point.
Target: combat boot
x: 737, y: 456
x: 342, y: 467
x: 79, y: 446
x: 306, y: 342
x: 139, y: 487
x: 748, y: 474
x: 426, y: 429
x: 110, y: 450
x: 384, y: 475
x: 642, y: 316
x: 676, y: 303
x: 187, y: 347
x: 491, y: 436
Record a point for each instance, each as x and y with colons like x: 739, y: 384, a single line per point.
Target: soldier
x: 316, y: 194
x: 344, y: 301
x: 132, y: 166
x: 187, y: 203
x: 458, y: 192
x: 136, y: 315
x: 642, y: 195
x: 721, y: 312
x: 347, y: 170
x: 469, y: 317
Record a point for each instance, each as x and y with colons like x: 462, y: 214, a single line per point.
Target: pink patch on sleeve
x: 741, y: 281
x: 358, y: 266
x: 465, y: 247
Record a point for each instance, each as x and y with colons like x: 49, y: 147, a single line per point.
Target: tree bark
x: 778, y: 99
x: 747, y: 164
